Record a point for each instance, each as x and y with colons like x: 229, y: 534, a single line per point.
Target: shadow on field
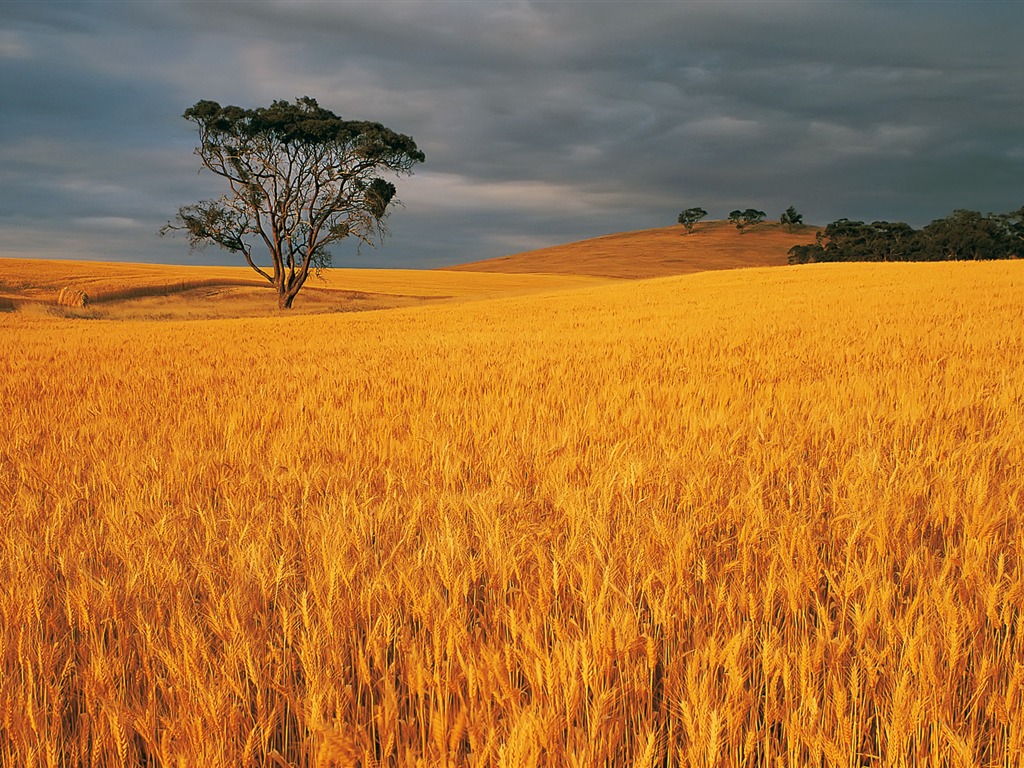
x: 222, y: 299
x: 170, y: 289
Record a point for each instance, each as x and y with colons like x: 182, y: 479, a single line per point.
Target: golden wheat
x: 44, y: 279
x: 762, y: 517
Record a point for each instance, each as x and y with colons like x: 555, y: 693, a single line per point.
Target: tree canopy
x: 690, y: 217
x: 300, y: 179
x: 746, y: 218
x: 962, y: 235
x: 791, y: 218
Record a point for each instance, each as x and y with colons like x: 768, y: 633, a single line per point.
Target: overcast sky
x: 542, y: 122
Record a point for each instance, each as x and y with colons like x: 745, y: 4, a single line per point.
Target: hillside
x: 140, y: 291
x: 657, y: 252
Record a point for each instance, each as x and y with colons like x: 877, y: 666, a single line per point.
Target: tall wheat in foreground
x: 751, y: 518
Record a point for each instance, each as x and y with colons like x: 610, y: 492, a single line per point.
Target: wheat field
x: 124, y: 291
x: 766, y: 517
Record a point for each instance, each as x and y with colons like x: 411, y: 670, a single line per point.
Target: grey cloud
x: 542, y: 121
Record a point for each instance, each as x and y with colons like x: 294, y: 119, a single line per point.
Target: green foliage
x: 806, y: 254
x: 791, y: 219
x: 746, y: 218
x: 961, y: 235
x: 300, y: 178
x: 1013, y: 222
x: 967, y: 235
x: 690, y: 217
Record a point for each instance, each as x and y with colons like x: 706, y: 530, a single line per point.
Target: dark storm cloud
x: 542, y: 121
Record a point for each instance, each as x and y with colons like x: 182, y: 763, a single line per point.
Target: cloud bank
x: 542, y: 122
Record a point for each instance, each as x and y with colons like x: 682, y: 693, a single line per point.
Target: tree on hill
x: 806, y: 254
x: 846, y: 240
x: 1013, y: 224
x: 895, y: 241
x: 961, y: 235
x: 300, y: 180
x: 746, y: 218
x: 791, y: 219
x: 690, y: 217
x: 967, y: 235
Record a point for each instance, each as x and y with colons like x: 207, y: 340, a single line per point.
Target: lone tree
x: 300, y: 178
x: 791, y: 219
x: 690, y: 217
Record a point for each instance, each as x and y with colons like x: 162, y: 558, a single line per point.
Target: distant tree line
x: 749, y: 217
x: 963, y: 235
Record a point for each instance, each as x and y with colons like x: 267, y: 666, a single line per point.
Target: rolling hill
x: 656, y: 252
x: 139, y: 291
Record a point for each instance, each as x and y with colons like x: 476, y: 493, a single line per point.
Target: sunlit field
x: 116, y: 291
x: 760, y: 517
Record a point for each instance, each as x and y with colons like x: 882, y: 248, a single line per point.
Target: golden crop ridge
x: 750, y: 518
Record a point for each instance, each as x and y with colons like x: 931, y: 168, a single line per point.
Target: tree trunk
x: 288, y: 285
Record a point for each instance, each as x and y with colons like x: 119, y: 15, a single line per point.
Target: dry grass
x: 658, y: 252
x: 762, y: 517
